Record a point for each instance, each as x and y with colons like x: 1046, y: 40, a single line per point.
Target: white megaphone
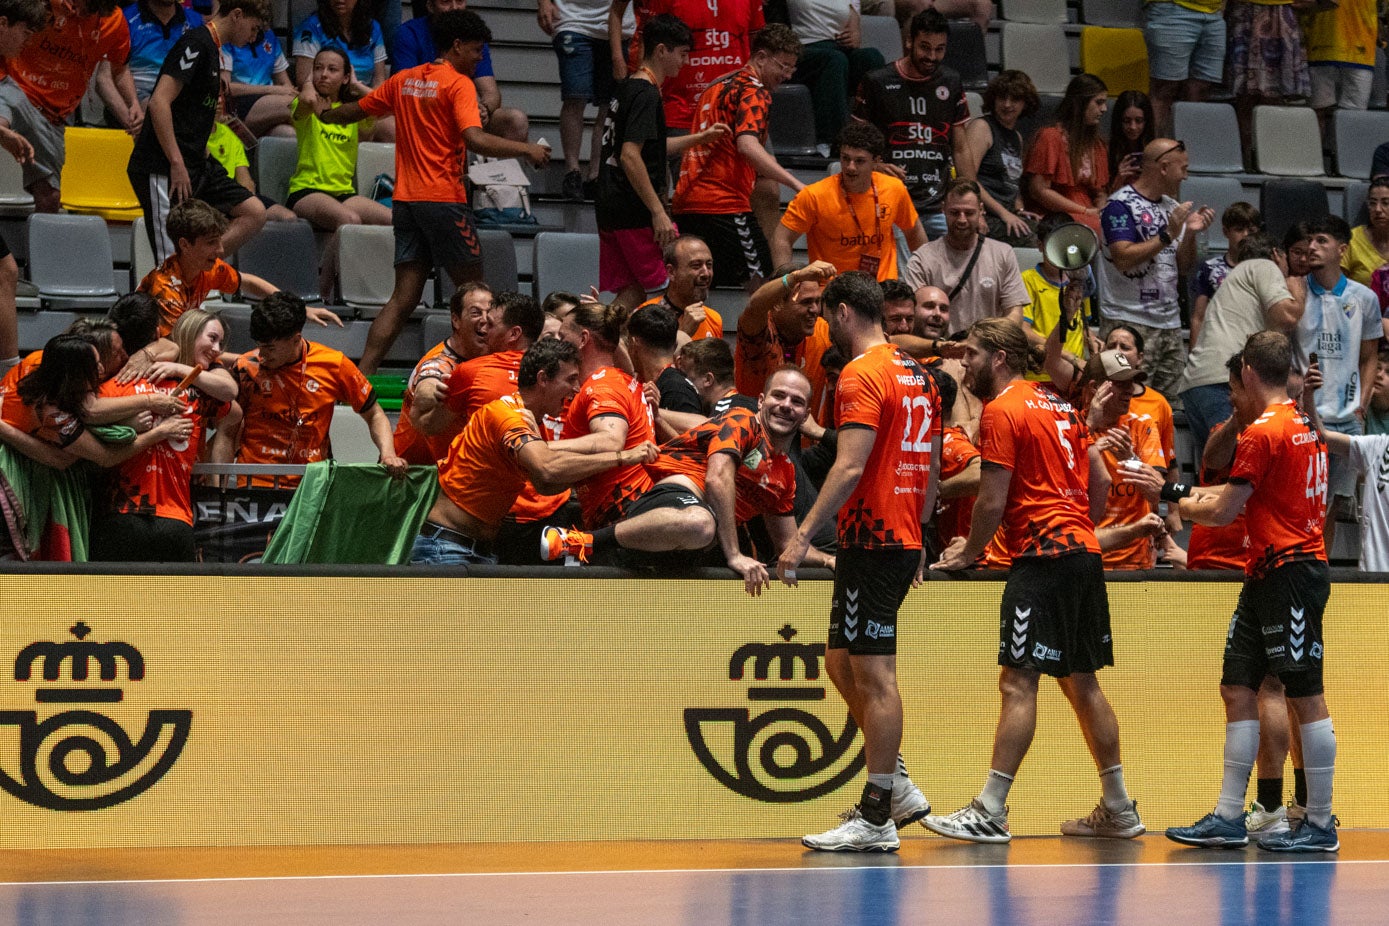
x: 1070, y: 246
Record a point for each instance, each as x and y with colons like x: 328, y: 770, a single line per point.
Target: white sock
x: 1319, y: 765
x: 994, y: 797
x: 1241, y: 749
x: 883, y: 781
x: 1114, y: 795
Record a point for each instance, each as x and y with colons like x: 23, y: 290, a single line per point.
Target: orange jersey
x: 722, y: 33
x: 14, y: 374
x: 48, y: 424
x: 711, y: 327
x: 953, y: 514
x: 1124, y: 503
x: 1028, y: 429
x: 55, y: 66
x: 1218, y: 547
x: 714, y: 178
x: 482, y: 474
x: 842, y: 228
x: 1284, y: 460
x: 159, y: 479
x: 1152, y: 404
x: 610, y: 391
x: 759, y: 354
x: 433, y: 105
x: 426, y: 449
x: 885, y: 390
x: 288, y: 410
x: 175, y: 296
x: 764, y: 479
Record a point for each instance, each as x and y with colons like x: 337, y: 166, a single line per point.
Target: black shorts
x: 667, y: 495
x: 300, y: 194
x: 210, y: 184
x: 1054, y: 616
x: 1276, y: 629
x: 437, y: 235
x: 740, y: 250
x: 869, y: 587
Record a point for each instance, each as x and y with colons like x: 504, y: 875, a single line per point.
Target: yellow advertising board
x: 160, y: 711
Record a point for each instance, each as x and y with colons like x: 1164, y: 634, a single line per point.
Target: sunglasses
x: 1179, y: 146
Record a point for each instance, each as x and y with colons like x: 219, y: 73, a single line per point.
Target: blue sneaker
x: 1306, y: 838
x: 1213, y: 831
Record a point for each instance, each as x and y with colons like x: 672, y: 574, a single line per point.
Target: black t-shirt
x: 1000, y: 169
x: 735, y: 400
x: 916, y: 116
x: 677, y: 395
x: 633, y: 115
x: 195, y: 62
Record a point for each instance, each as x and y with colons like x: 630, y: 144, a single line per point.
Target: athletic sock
x: 1114, y: 795
x: 605, y: 537
x: 1271, y: 793
x: 1300, y: 786
x: 1241, y: 749
x: 994, y: 797
x: 876, y: 803
x: 1319, y: 760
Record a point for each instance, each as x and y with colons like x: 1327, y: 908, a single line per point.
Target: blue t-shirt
x: 1210, y: 275
x: 150, y: 41
x: 310, y: 39
x: 255, y: 64
x: 415, y: 46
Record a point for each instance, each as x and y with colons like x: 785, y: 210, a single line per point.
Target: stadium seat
x: 1027, y: 257
x: 286, y: 255
x: 1120, y: 14
x: 964, y: 51
x: 1119, y: 57
x: 94, y: 180
x: 564, y: 261
x: 1353, y: 203
x: 1357, y: 134
x: 1287, y: 142
x: 14, y: 199
x: 350, y: 438
x: 366, y: 264
x: 1041, y: 51
x: 1285, y: 202
x: 499, y: 269
x: 373, y: 159
x: 1218, y: 193
x: 1033, y: 11
x: 1211, y: 134
x: 975, y: 101
x: 882, y: 33
x: 141, y: 254
x: 435, y: 327
x: 275, y: 161
x: 1044, y: 116
x: 70, y: 261
x: 791, y: 122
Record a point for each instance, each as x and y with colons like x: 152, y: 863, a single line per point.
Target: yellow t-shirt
x: 1362, y: 257
x: 227, y: 149
x: 1345, y: 35
x: 1044, y: 314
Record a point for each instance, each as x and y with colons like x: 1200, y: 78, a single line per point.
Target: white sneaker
x: 1265, y: 823
x: 908, y: 804
x: 855, y: 834
x: 1103, y: 822
x: 973, y: 823
x: 1296, y: 814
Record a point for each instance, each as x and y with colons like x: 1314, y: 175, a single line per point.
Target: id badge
x: 868, y: 263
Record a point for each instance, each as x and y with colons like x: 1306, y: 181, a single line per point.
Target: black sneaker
x: 572, y: 188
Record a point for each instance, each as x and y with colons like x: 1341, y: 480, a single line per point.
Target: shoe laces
x: 573, y: 544
x: 850, y: 815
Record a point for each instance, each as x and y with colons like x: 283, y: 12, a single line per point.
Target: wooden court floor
x: 1035, y: 880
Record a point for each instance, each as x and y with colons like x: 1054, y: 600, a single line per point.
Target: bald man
x: 932, y: 312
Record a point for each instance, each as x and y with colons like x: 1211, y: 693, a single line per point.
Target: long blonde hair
x: 187, y: 329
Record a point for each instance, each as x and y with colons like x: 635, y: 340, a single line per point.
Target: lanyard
x: 853, y: 212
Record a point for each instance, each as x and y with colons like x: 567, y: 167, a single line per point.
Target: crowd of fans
x: 679, y: 445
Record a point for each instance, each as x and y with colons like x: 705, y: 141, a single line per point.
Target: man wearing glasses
x: 1149, y: 244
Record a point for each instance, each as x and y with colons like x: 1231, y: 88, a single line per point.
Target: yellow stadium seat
x: 94, y: 180
x: 1116, y: 56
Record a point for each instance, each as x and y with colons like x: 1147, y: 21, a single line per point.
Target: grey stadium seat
x: 1211, y: 134
x: 70, y: 260
x: 1040, y: 50
x: 791, y: 121
x: 1287, y: 141
x: 366, y: 265
x: 285, y: 254
x: 1034, y: 11
x: 1357, y: 134
x: 882, y: 33
x: 1285, y: 202
x: 275, y: 161
x: 564, y: 261
x: 373, y: 158
x: 1121, y: 14
x: 1353, y: 203
x: 1218, y: 193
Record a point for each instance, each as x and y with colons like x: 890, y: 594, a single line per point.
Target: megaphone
x: 1071, y: 246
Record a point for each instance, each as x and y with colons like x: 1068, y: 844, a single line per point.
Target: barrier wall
x: 197, y: 710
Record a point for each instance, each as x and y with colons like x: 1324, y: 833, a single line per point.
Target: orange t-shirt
x: 714, y: 178
x: 711, y: 327
x: 1218, y: 547
x: 1124, y: 503
x: 1042, y: 439
x: 47, y: 423
x: 175, y: 296
x: 288, y: 410
x: 159, y: 479
x: 1151, y: 403
x: 55, y: 66
x: 433, y: 106
x: 1049, y: 158
x: 764, y: 480
x: 1285, y: 462
x: 758, y: 354
x: 14, y: 374
x: 953, y: 514
x: 610, y: 391
x: 481, y: 473
x: 426, y: 449
x: 885, y: 390
x: 841, y: 227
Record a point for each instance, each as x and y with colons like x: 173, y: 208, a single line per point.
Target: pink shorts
x: 627, y: 256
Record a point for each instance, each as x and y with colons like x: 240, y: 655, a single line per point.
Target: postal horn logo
x: 782, y: 754
x: 79, y: 758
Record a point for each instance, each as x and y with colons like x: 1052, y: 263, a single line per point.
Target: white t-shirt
x: 1334, y: 324
x: 1370, y: 455
x: 820, y: 20
x: 1147, y: 294
x: 1238, y: 309
x: 589, y: 18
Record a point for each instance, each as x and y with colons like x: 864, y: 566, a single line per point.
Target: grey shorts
x: 436, y: 234
x: 24, y: 117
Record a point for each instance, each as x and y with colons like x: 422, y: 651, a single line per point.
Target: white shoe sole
x: 1131, y: 833
x: 851, y: 847
x: 942, y: 829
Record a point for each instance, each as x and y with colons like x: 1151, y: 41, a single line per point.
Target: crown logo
x: 80, y: 654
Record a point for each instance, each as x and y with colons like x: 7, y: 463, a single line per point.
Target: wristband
x: 1174, y: 491
x: 786, y: 282
x: 1165, y: 237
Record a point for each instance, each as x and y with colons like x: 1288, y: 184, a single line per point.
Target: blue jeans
x: 1205, y: 407
x: 440, y: 551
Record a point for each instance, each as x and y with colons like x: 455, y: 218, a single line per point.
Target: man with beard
x: 782, y: 325
x: 690, y: 264
x: 1055, y: 609
x: 708, y: 481
x: 883, y: 486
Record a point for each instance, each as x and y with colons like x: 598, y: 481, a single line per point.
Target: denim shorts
x: 1183, y: 43
x: 441, y: 551
x: 585, y: 68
